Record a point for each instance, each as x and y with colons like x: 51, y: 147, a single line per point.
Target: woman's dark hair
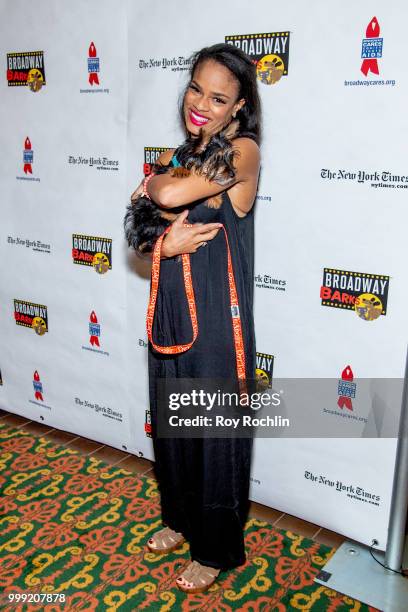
x: 239, y: 64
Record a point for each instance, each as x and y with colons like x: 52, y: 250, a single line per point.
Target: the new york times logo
x: 175, y: 64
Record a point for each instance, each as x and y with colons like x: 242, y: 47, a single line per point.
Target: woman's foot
x: 165, y: 540
x: 197, y: 578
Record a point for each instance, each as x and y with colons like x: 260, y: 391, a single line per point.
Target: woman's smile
x: 197, y: 119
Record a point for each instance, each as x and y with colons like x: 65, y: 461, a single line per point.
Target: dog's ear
x: 231, y: 130
x: 180, y: 172
x: 215, y: 201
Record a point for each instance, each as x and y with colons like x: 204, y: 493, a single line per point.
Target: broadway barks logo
x: 26, y: 68
x: 371, y: 48
x: 366, y: 294
x: 264, y: 369
x: 346, y: 389
x: 31, y: 315
x: 151, y: 154
x: 148, y: 424
x: 92, y: 251
x: 269, y: 52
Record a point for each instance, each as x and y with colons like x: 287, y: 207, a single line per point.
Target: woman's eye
x: 193, y: 87
x: 219, y: 101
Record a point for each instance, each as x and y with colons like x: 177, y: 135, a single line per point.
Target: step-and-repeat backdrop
x: 88, y: 100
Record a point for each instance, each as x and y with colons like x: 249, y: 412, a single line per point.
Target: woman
x: 204, y: 482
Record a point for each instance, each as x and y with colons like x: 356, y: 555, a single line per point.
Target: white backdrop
x: 324, y: 122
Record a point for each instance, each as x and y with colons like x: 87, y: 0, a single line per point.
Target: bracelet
x: 145, y: 183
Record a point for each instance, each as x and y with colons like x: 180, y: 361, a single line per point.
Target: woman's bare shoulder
x: 248, y: 158
x: 247, y: 146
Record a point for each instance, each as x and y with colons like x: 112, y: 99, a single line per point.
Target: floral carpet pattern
x: 74, y: 525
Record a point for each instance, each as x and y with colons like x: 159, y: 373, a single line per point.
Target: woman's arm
x: 172, y: 191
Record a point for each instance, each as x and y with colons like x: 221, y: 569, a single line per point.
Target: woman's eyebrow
x: 213, y: 93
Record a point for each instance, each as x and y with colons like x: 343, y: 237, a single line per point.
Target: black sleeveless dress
x: 204, y: 482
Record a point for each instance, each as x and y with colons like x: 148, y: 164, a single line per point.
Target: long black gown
x: 204, y: 482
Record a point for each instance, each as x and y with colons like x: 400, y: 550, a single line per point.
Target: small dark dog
x: 145, y: 221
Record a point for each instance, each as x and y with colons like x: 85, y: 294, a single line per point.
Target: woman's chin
x: 192, y: 129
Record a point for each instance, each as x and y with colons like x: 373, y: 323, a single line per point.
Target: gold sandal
x: 197, y: 578
x: 165, y: 540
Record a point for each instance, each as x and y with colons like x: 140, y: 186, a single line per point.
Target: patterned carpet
x: 73, y: 525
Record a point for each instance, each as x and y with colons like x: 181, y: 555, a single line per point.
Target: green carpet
x: 74, y: 525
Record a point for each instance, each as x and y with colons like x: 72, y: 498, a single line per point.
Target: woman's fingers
x: 205, y: 227
x: 208, y: 235
x: 181, y: 217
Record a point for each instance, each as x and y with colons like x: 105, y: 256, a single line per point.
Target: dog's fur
x: 145, y: 221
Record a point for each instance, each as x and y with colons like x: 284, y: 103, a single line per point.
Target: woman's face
x: 211, y: 98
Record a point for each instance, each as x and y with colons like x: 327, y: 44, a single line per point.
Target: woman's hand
x: 182, y: 239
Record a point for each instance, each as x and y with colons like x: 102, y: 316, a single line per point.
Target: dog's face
x: 211, y: 98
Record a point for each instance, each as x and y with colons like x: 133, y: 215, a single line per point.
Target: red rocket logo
x: 372, y: 48
x: 346, y: 389
x: 93, y: 65
x: 94, y: 329
x: 38, y: 388
x: 27, y: 156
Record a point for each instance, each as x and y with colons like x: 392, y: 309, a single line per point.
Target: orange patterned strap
x: 188, y: 285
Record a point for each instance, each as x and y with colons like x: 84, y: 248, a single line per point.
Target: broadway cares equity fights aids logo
x: 38, y: 393
x: 27, y: 156
x: 346, y: 389
x: 371, y: 48
x: 29, y: 314
x: 93, y: 65
x: 269, y: 52
x: 366, y: 294
x: 38, y: 388
x: 26, y: 68
x: 92, y: 251
x: 371, y: 54
x: 28, y: 162
x: 93, y: 72
x: 94, y: 335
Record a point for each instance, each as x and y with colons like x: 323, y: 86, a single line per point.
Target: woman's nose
x: 202, y: 104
